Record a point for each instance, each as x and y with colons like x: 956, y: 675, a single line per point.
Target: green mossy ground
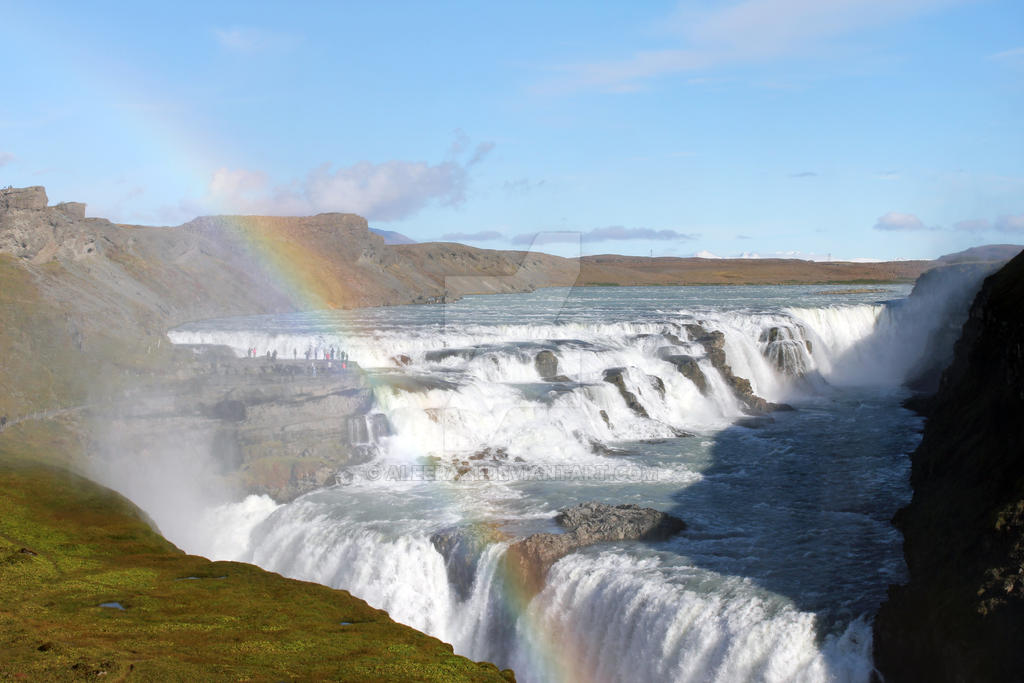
x: 67, y: 545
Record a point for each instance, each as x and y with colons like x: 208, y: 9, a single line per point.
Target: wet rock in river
x: 586, y: 524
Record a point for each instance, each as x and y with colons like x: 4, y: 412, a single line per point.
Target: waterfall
x: 542, y: 394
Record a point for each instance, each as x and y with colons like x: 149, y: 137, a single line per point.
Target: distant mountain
x: 988, y: 252
x: 392, y: 237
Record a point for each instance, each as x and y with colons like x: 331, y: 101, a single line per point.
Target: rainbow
x: 293, y: 268
x: 308, y: 281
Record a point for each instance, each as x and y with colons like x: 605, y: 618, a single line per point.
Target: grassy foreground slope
x: 68, y: 546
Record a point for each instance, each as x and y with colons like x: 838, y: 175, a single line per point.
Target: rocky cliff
x: 960, y: 617
x: 88, y: 588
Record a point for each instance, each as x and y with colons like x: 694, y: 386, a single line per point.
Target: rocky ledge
x: 278, y: 427
x: 586, y: 524
x: 714, y: 347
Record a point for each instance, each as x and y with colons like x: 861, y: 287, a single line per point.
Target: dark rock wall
x: 961, y: 615
x: 947, y: 293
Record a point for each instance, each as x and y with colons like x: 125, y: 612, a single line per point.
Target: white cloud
x: 6, y: 158
x: 617, y: 232
x: 704, y: 253
x: 614, y: 232
x: 896, y: 221
x: 1005, y: 223
x: 480, y: 153
x: 238, y: 183
x: 249, y: 39
x: 386, y: 191
x: 743, y: 32
x: 1010, y: 223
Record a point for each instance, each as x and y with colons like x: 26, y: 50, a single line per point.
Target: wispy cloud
x: 1013, y: 53
x: 1006, y: 223
x: 482, y: 236
x: 894, y: 221
x: 614, y: 232
x: 749, y: 31
x: 1010, y: 223
x: 249, y: 39
x: 6, y: 158
x: 386, y: 191
x: 617, y: 232
x: 804, y: 174
x: 887, y: 175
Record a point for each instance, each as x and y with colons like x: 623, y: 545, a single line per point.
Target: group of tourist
x: 329, y: 354
x: 312, y: 353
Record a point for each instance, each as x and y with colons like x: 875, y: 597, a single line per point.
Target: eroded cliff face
x: 239, y: 425
x: 960, y: 617
x: 85, y: 365
x: 84, y: 299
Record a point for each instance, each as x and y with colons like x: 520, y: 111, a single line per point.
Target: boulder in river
x: 586, y: 524
x: 546, y: 363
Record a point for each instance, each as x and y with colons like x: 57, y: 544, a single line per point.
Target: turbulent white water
x: 788, y: 550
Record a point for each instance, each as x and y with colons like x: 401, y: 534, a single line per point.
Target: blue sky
x: 856, y: 128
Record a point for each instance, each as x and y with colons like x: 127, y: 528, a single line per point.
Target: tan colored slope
x: 633, y: 270
x: 461, y: 269
x: 469, y: 270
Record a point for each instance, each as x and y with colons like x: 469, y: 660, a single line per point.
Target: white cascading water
x: 487, y: 406
x: 605, y: 614
x: 623, y: 607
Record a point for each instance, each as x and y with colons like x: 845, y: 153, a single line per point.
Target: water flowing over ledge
x: 776, y: 578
